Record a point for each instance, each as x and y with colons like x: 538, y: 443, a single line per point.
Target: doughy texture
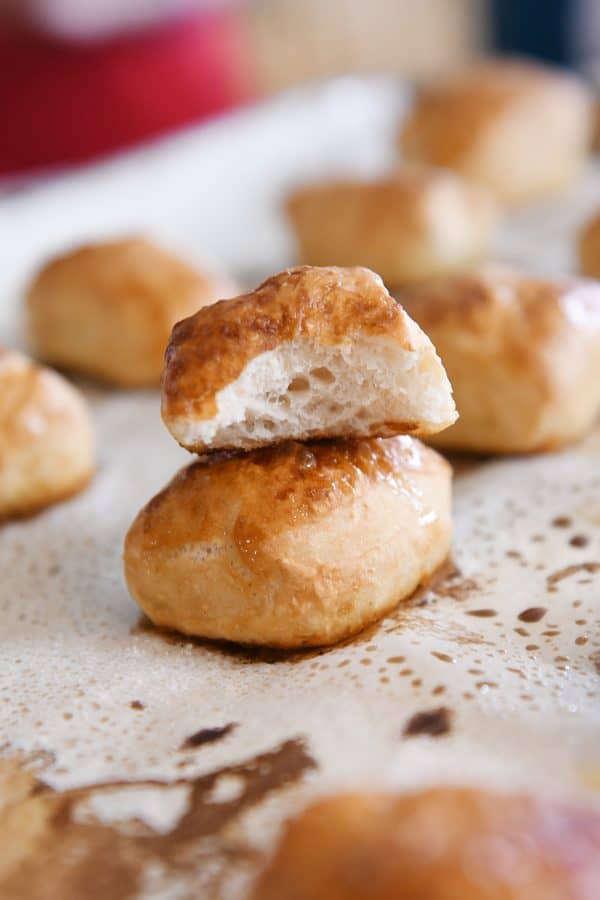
x: 107, y: 310
x: 523, y: 355
x: 440, y: 844
x: 589, y: 248
x: 46, y: 440
x: 291, y: 546
x: 412, y: 225
x: 312, y: 353
x: 520, y: 128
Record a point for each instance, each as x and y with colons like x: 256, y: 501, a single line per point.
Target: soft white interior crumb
x: 346, y: 388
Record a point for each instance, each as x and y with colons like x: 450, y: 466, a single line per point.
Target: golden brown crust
x: 522, y: 354
x: 295, y: 545
x: 304, y: 307
x: 439, y: 844
x: 460, y: 123
x: 588, y: 247
x: 413, y: 224
x: 46, y: 442
x: 326, y: 306
x: 106, y: 310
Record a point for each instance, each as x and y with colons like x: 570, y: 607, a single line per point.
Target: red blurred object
x: 63, y: 103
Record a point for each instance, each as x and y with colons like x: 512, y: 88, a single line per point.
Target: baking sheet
x: 119, y: 724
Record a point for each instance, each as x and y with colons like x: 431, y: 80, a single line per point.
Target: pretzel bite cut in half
x: 311, y: 353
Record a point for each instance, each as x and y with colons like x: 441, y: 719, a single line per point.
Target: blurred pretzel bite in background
x: 588, y: 247
x: 45, y: 435
x: 521, y: 128
x: 413, y: 224
x: 299, y: 542
x: 438, y: 844
x: 523, y: 355
x: 311, y: 353
x: 106, y: 310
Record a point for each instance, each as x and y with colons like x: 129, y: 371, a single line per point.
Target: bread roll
x: 439, y: 844
x: 47, y: 448
x: 523, y: 355
x: 409, y: 226
x: 589, y: 247
x: 522, y: 129
x: 311, y: 353
x: 292, y: 546
x: 107, y: 310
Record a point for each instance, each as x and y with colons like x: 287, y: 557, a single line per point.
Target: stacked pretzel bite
x: 313, y: 509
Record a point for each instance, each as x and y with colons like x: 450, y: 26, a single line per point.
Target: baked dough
x: 439, y: 844
x: 522, y: 353
x: 411, y: 225
x: 523, y: 129
x: 311, y: 353
x: 589, y: 247
x: 292, y: 546
x: 46, y: 442
x: 106, y: 310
